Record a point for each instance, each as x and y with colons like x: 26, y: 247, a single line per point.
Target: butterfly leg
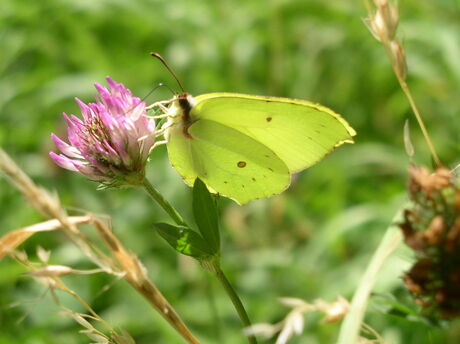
x: 161, y: 105
x: 159, y: 143
x: 164, y: 127
x: 160, y: 116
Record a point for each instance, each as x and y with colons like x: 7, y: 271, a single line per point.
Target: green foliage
x: 205, y: 213
x: 313, y: 240
x: 184, y: 240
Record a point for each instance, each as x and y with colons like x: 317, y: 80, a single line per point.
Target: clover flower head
x: 111, y: 144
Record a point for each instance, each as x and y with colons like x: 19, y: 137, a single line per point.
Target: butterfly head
x: 185, y: 101
x: 180, y: 108
x: 179, y: 113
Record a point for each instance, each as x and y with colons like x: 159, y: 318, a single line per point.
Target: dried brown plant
x: 119, y: 261
x: 431, y: 228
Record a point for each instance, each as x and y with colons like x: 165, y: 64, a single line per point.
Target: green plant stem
x: 163, y: 203
x: 349, y: 331
x: 213, y: 267
x: 211, y: 296
x: 235, y: 300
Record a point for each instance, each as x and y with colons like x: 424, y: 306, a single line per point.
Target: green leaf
x: 205, y: 212
x: 389, y: 304
x: 184, y: 240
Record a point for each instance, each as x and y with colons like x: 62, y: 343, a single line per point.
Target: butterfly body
x: 246, y: 147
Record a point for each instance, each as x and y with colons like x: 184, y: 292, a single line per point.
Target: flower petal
x: 64, y: 161
x: 65, y: 148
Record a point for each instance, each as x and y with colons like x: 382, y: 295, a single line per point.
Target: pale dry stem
x: 49, y: 276
x: 125, y: 264
x: 293, y: 322
x: 49, y: 205
x: 136, y: 276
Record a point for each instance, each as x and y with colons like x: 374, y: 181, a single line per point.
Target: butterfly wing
x: 299, y: 132
x: 228, y: 161
x: 245, y: 147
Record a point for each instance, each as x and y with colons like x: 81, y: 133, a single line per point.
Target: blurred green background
x: 313, y: 241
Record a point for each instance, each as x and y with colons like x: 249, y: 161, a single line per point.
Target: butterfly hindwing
x: 229, y: 162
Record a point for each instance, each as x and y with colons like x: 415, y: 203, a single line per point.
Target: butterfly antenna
x: 155, y: 88
x: 159, y: 57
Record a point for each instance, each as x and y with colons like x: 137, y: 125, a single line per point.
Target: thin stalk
x: 163, y: 203
x: 235, y: 300
x: 211, y: 296
x: 214, y: 266
x: 410, y: 98
x: 84, y: 304
x: 400, y: 75
x: 156, y: 299
x: 136, y: 275
x: 353, y: 322
x: 408, y: 94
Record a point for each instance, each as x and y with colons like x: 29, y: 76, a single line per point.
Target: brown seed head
x: 433, y: 234
x: 426, y: 182
x: 431, y: 227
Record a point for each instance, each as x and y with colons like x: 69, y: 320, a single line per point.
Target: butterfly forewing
x: 299, y: 132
